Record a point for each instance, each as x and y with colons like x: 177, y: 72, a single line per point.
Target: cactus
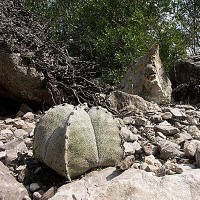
x: 72, y: 141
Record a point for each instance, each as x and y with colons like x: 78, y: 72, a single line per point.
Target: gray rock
x: 177, y: 113
x: 132, y: 184
x: 18, y: 123
x: 34, y: 187
x: 169, y: 150
x: 167, y: 115
x: 166, y: 129
x: 140, y: 121
x: 128, y: 103
x: 10, y: 189
x: 128, y: 120
x: 128, y: 135
x: 20, y: 133
x: 6, y: 135
x: 156, y: 118
x: 29, y: 116
x: 193, y: 131
x: 150, y: 149
x: 147, y: 78
x: 191, y: 147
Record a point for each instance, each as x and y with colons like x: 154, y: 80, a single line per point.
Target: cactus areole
x: 72, y: 141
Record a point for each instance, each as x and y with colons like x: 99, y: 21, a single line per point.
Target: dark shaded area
x: 8, y: 107
x: 185, y: 80
x: 66, y: 79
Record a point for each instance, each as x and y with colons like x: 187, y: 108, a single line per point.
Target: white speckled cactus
x: 72, y: 141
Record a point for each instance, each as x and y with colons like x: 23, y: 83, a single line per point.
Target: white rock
x: 151, y: 160
x: 191, y: 147
x: 176, y: 112
x: 131, y: 148
x: 10, y: 189
x: 132, y: 184
x: 167, y: 129
x: 193, y: 131
x: 20, y: 133
x: 29, y: 116
x: 167, y: 115
x: 6, y: 135
x: 18, y: 123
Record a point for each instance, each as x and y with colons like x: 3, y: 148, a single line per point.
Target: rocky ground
x: 163, y: 141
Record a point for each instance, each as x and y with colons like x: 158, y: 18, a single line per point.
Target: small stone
x: 169, y: 150
x: 21, y: 167
x: 26, y: 198
x: 151, y: 168
x: 150, y: 149
x: 184, y: 135
x: 37, y: 196
x: 133, y: 130
x: 126, y: 163
x: 34, y: 187
x: 151, y: 160
x: 131, y: 148
x: 191, y: 147
x: 29, y: 116
x: 11, y: 155
x: 177, y: 113
x: 18, y: 123
x: 28, y: 127
x: 28, y: 142
x: 128, y: 135
x: 156, y: 118
x: 166, y: 129
x: 167, y: 115
x: 6, y: 135
x: 31, y: 134
x: 9, y: 121
x: 193, y: 131
x: 30, y: 153
x: 143, y: 166
x: 139, y: 121
x: 20, y: 133
x: 160, y: 135
x: 128, y: 120
x: 173, y: 168
x: 21, y: 175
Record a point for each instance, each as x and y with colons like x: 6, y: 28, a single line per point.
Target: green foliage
x: 114, y: 33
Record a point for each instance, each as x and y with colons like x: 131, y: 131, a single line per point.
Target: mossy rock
x: 72, y: 141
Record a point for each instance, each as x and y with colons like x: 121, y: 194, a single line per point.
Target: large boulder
x: 147, y: 78
x: 21, y: 82
x: 72, y: 141
x: 132, y: 184
x: 124, y: 102
x: 9, y: 188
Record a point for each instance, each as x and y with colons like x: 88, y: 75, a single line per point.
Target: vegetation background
x: 114, y: 33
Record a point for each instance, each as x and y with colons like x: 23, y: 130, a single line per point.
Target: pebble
x: 34, y: 187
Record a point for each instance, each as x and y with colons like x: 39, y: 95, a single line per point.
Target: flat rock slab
x: 10, y: 189
x: 132, y: 184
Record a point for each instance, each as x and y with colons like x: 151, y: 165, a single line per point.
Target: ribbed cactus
x: 72, y: 141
